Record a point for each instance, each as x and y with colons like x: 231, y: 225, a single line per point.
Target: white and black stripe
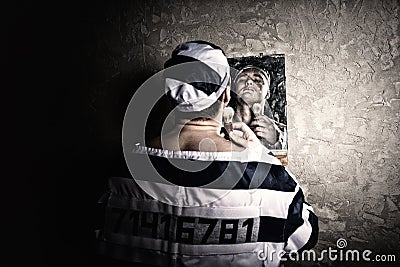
x: 196, y: 75
x: 244, y: 219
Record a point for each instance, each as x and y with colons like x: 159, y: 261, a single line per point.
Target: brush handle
x: 228, y: 126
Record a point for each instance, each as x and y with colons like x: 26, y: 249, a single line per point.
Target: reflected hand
x: 264, y: 128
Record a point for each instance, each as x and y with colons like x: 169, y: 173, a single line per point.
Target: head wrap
x: 196, y: 75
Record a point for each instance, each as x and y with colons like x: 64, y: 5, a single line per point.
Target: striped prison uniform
x: 263, y: 211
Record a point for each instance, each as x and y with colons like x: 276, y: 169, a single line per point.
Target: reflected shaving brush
x: 227, y: 117
x: 256, y: 109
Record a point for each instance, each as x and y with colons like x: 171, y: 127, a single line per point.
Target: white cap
x: 196, y: 75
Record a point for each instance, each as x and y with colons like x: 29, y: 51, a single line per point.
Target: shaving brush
x: 227, y: 117
x: 256, y: 109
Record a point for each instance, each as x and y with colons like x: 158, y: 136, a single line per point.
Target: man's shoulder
x: 222, y: 170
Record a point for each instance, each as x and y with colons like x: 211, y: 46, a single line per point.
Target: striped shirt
x: 209, y: 209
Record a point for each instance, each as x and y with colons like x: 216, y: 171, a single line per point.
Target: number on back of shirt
x: 182, y: 229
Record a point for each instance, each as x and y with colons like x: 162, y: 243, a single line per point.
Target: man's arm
x: 301, y: 228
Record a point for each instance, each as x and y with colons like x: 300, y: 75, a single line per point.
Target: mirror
x: 259, y: 99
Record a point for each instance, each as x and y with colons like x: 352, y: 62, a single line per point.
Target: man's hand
x: 248, y: 139
x: 264, y: 128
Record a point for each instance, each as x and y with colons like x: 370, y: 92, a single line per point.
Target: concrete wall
x: 343, y: 92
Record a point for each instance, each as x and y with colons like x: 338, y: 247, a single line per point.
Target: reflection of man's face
x: 251, y: 87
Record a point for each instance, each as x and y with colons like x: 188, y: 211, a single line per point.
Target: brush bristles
x: 256, y: 109
x: 228, y: 115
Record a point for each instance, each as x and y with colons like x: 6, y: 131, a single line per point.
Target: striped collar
x: 259, y: 154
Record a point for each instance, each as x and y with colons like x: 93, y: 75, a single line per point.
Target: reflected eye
x: 258, y: 81
x: 242, y: 80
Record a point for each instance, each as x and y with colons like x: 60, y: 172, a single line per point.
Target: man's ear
x: 226, y: 96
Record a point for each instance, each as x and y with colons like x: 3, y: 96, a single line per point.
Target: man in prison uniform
x: 199, y: 198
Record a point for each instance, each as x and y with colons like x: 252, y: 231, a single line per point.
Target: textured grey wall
x: 343, y: 92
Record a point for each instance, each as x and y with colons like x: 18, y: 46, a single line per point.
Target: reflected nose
x: 249, y: 81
